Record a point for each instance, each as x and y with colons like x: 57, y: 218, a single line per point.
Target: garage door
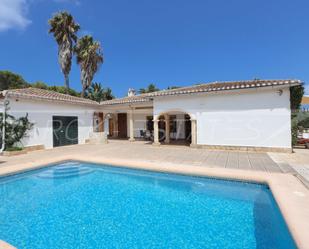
x: 65, y: 130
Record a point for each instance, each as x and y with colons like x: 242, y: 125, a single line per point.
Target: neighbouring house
x: 246, y: 115
x: 303, y: 131
x: 305, y: 103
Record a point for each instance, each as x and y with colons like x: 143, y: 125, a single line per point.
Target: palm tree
x: 89, y: 57
x: 149, y: 89
x: 97, y: 93
x: 172, y: 87
x: 107, y: 94
x: 64, y: 29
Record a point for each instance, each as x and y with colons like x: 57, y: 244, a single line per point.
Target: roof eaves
x: 187, y: 90
x: 27, y: 96
x: 126, y: 101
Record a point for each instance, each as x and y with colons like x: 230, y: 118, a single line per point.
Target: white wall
x: 259, y: 118
x: 40, y: 113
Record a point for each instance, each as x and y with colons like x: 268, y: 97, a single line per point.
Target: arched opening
x: 174, y: 127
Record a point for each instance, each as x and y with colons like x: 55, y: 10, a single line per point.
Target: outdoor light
x: 280, y: 91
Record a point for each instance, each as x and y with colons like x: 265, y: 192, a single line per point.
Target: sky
x: 169, y: 43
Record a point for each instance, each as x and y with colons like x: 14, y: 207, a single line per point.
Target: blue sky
x: 174, y: 42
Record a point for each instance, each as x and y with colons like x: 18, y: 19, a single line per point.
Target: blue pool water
x: 81, y: 205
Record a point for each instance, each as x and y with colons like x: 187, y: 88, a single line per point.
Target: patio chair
x: 142, y: 133
x: 148, y: 135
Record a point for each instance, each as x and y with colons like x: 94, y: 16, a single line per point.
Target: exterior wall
x: 41, y: 112
x: 257, y: 118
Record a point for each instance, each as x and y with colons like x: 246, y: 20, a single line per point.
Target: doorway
x: 122, y: 125
x: 65, y: 130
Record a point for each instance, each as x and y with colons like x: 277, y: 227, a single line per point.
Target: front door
x: 65, y: 130
x: 122, y: 125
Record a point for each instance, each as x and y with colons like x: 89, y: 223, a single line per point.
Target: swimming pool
x: 83, y: 205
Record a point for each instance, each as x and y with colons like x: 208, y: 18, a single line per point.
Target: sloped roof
x: 204, y: 88
x: 42, y: 94
x: 305, y: 100
x: 225, y: 86
x: 133, y: 99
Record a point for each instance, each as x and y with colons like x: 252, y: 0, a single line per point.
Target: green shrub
x: 296, y: 95
x: 14, y: 148
x: 15, y: 129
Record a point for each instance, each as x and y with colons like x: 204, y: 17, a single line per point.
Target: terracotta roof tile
x: 125, y: 100
x: 305, y: 100
x: 204, y: 88
x: 36, y: 93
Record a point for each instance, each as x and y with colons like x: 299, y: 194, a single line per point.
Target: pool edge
x: 5, y: 245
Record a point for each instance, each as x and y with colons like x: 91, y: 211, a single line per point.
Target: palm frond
x: 89, y: 56
x: 64, y: 29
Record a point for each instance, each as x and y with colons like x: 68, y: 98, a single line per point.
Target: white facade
x: 257, y: 118
x: 41, y: 112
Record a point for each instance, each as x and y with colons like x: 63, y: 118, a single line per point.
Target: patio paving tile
x: 160, y: 154
x: 233, y: 161
x: 243, y: 161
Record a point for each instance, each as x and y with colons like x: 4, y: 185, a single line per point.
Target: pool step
x: 65, y: 171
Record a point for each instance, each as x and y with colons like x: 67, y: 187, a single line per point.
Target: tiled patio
x: 141, y: 151
x: 298, y: 161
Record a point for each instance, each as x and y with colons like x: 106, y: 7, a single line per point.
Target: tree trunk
x: 83, y: 92
x: 67, y: 84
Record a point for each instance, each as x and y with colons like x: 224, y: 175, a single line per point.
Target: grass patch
x: 14, y: 149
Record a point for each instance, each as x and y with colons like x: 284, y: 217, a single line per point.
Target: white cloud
x: 13, y: 14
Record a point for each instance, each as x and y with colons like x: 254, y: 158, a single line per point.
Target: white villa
x: 245, y: 115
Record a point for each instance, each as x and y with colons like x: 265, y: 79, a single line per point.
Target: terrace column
x: 131, y: 124
x: 156, y: 132
x: 193, y: 133
x: 115, y: 126
x: 167, y: 129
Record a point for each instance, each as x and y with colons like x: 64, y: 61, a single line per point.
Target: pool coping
x: 290, y: 194
x: 5, y: 245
